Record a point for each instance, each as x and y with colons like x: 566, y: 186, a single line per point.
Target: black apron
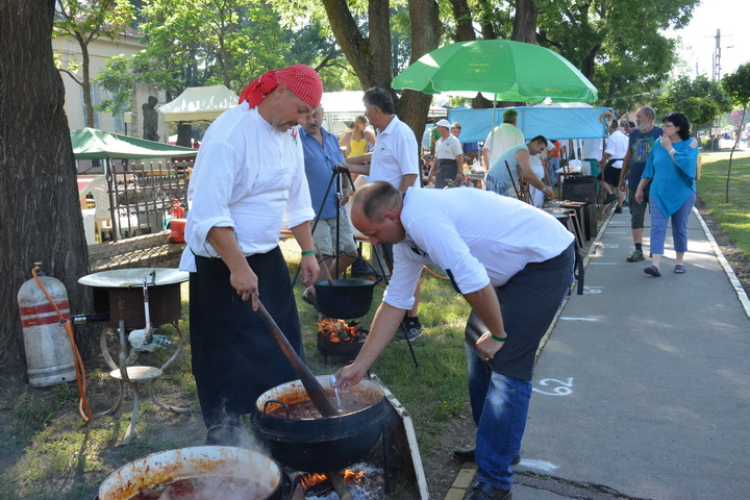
x: 235, y: 358
x: 447, y: 170
x: 528, y: 303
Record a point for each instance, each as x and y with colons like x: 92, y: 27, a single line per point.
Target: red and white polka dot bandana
x: 301, y: 80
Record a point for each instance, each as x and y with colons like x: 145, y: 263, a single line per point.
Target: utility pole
x: 717, y: 58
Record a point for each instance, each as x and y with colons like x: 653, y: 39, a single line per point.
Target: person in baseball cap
x: 447, y: 166
x: 249, y: 179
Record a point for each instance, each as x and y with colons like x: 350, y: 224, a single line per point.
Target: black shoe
x: 618, y: 210
x: 467, y: 455
x: 485, y: 491
x: 413, y: 329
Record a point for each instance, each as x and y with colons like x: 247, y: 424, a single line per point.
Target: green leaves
x: 737, y: 85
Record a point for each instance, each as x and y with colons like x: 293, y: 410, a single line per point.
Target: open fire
x: 336, y: 337
x: 363, y: 482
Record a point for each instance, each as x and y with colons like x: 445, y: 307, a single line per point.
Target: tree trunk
x: 464, y: 25
x: 88, y: 102
x: 426, y: 29
x: 40, y: 217
x: 524, y: 24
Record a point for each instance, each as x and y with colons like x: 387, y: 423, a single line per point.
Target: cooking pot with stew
x: 299, y: 438
x: 201, y: 472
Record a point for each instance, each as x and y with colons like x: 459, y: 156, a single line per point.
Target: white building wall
x: 100, y: 50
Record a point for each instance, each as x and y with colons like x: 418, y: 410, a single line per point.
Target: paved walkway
x: 642, y: 390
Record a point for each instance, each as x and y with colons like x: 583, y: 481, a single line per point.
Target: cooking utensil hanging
x: 311, y: 384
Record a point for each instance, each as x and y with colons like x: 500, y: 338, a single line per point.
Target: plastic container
x: 178, y: 231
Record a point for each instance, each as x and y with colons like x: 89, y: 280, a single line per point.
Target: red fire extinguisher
x: 178, y: 223
x: 177, y: 211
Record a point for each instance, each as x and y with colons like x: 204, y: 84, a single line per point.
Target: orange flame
x: 310, y: 480
x: 353, y: 477
x: 335, y: 329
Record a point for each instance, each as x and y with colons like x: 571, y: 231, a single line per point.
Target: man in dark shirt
x: 640, y: 143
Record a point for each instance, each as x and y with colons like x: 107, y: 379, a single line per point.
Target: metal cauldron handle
x: 376, y: 281
x: 265, y: 406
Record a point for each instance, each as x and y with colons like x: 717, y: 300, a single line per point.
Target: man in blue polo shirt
x: 322, y: 154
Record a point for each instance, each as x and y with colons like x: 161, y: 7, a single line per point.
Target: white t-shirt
x: 395, y: 154
x: 617, y: 147
x: 591, y: 149
x: 248, y: 176
x: 501, y: 139
x: 476, y: 236
x: 448, y: 148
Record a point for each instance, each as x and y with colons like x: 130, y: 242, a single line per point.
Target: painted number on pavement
x: 558, y: 387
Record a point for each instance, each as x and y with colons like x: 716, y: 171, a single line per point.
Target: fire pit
x: 336, y: 337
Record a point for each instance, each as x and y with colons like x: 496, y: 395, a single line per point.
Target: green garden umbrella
x: 501, y: 70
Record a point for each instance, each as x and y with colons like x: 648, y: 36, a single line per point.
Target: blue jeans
x: 554, y: 164
x: 496, y: 185
x: 679, y: 227
x: 499, y: 405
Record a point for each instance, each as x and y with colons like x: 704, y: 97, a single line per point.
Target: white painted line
x: 567, y: 318
x: 611, y: 245
x: 541, y: 465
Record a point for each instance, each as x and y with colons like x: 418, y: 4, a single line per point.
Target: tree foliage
x: 700, y: 99
x: 86, y: 21
x: 737, y: 85
x: 616, y: 44
x: 208, y: 42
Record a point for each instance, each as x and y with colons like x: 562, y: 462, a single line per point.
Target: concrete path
x: 642, y: 390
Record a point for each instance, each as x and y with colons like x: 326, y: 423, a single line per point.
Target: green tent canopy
x: 92, y: 144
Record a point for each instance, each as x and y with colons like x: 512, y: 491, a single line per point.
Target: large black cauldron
x: 322, y: 444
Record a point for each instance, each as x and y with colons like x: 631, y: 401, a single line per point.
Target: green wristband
x: 499, y: 339
x: 308, y: 252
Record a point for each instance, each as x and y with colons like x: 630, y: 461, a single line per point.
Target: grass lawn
x: 734, y: 216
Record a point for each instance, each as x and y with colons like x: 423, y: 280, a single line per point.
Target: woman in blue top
x: 671, y: 170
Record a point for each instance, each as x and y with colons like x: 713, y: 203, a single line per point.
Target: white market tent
x: 343, y: 107
x: 199, y: 104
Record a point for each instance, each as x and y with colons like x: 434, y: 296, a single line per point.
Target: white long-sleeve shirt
x: 248, y: 176
x: 477, y: 237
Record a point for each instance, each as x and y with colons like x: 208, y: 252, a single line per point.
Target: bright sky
x: 732, y: 17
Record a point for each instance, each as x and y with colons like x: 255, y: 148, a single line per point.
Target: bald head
x: 376, y: 212
x: 374, y: 199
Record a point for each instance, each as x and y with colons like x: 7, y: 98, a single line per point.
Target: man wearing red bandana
x: 249, y: 180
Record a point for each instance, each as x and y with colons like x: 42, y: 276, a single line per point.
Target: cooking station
x: 134, y: 301
x: 303, y: 454
x: 303, y: 447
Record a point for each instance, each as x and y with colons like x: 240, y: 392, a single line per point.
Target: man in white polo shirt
x: 501, y: 268
x: 449, y: 157
x: 394, y: 159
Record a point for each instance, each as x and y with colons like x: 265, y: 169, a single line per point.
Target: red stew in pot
x: 305, y: 409
x: 204, y: 488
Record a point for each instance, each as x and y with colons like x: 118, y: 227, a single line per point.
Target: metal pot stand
x: 120, y: 292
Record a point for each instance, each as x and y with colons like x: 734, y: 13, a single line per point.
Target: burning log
x: 336, y: 337
x: 342, y: 490
x: 361, y: 483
